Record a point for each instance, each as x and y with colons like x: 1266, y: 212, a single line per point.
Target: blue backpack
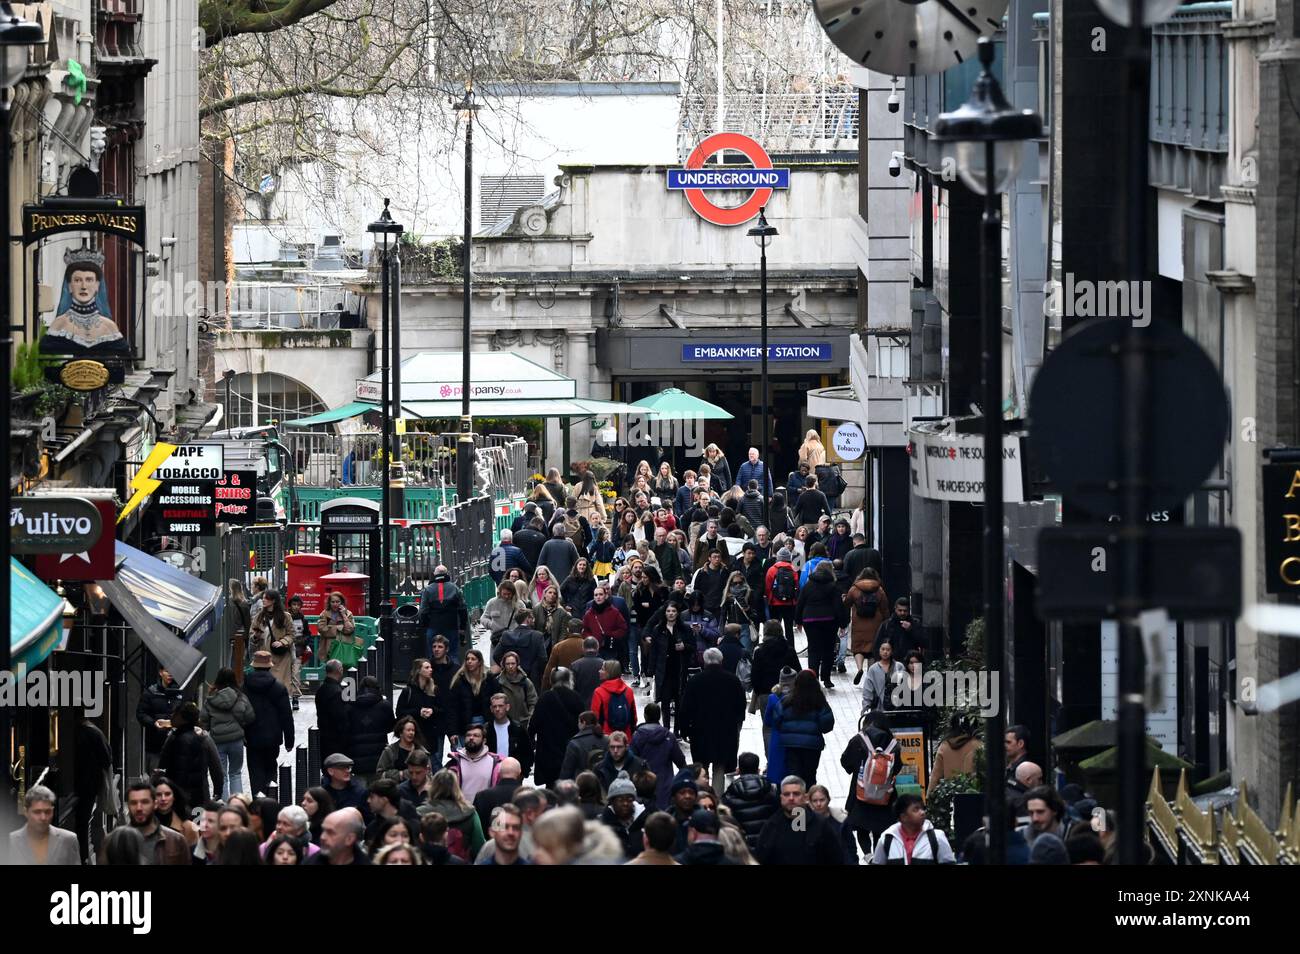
x: 618, y: 715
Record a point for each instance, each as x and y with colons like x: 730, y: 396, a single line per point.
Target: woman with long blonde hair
x: 812, y: 451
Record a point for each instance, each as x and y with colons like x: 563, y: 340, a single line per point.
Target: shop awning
x: 355, y: 409
x: 184, y: 602
x: 674, y: 404
x: 35, y: 619
x: 541, y: 407
x: 174, y: 654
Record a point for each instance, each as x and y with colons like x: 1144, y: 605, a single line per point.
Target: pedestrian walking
x: 821, y: 613
x: 226, y: 716
x: 552, y: 725
x: 869, y: 606
x: 803, y: 719
x: 713, y: 711
x: 272, y: 722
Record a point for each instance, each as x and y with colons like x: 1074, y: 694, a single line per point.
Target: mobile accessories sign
x: 187, y: 507
x: 696, y: 181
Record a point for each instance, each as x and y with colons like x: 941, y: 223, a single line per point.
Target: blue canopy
x: 35, y: 619
x: 182, y: 601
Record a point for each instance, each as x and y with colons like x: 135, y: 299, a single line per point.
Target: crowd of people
x: 623, y: 635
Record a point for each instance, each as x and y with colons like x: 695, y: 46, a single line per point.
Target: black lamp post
x: 988, y: 136
x: 763, y: 234
x: 465, y: 443
x: 387, y: 231
x: 15, y: 34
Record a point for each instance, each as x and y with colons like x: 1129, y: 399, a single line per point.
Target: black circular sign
x: 1077, y: 416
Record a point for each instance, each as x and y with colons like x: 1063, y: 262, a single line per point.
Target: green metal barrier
x: 367, y: 627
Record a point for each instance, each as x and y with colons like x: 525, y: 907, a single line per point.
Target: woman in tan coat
x: 862, y: 635
x: 956, y: 755
x: 273, y: 629
x: 334, y: 623
x: 812, y: 451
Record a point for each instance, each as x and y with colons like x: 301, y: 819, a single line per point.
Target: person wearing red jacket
x: 782, y: 607
x: 605, y: 623
x: 624, y: 716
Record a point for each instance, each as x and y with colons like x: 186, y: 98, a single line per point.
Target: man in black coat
x: 272, y: 722
x: 530, y: 539
x: 812, y: 504
x: 509, y: 779
x: 156, y: 705
x: 443, y: 612
x: 505, y: 556
x: 713, y: 709
x: 589, y: 739
x: 797, y: 835
x: 331, y: 711
x: 370, y: 723
x: 551, y: 727
x: 861, y: 557
x: 751, y: 798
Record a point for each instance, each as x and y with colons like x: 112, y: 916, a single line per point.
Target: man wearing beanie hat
x: 702, y: 844
x: 782, y: 591
x: 681, y: 804
x: 624, y: 815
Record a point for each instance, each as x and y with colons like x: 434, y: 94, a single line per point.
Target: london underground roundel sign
x: 696, y: 181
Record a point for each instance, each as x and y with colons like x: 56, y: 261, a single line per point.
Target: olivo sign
x: 40, y: 525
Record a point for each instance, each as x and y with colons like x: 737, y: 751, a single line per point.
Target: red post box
x: 355, y: 588
x: 305, y: 571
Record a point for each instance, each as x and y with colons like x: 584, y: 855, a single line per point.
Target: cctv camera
x: 895, y: 167
x: 893, y: 101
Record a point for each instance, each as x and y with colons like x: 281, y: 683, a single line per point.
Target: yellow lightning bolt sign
x: 143, y: 483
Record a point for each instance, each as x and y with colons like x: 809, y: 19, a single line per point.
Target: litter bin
x: 408, y: 643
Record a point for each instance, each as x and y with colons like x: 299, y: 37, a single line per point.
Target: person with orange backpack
x: 873, y: 759
x: 782, y: 585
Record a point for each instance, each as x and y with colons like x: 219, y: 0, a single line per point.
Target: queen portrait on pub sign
x: 82, y: 321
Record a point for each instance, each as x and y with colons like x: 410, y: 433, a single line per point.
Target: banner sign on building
x: 950, y: 466
x: 42, y: 221
x: 187, y: 507
x: 236, y: 497
x: 848, y: 441
x: 747, y: 352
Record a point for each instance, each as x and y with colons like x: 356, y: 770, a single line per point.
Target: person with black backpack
x: 783, y: 592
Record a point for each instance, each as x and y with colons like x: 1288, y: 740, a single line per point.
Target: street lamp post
x: 988, y: 135
x: 15, y: 34
x: 465, y: 443
x: 763, y: 234
x: 387, y: 231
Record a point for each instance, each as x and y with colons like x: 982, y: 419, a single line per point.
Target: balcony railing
x: 822, y: 120
x: 274, y: 305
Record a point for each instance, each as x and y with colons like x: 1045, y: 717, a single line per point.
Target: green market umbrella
x: 674, y: 404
